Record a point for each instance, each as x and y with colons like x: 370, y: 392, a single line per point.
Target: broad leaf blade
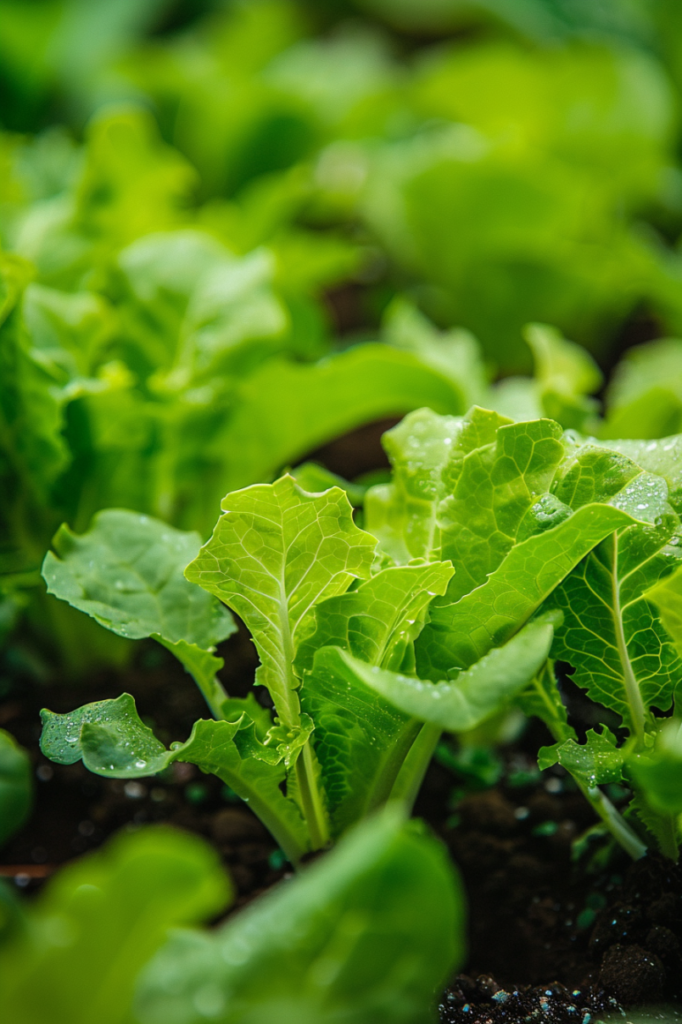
x: 376, y: 621
x: 127, y: 573
x: 286, y: 409
x: 460, y: 634
x: 369, y: 934
x: 466, y: 701
x: 275, y: 553
x: 360, y: 740
x: 612, y: 634
x: 108, y: 736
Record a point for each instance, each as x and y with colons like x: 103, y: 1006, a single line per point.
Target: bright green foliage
x: 246, y: 752
x: 645, y: 395
x: 659, y: 772
x: 468, y: 700
x: 84, y: 946
x: 515, y: 507
x: 534, y: 519
x: 298, y: 572
x: 16, y: 786
x: 98, y: 922
x: 367, y: 935
x: 612, y: 634
x: 598, y: 760
x: 127, y: 573
x: 277, y: 552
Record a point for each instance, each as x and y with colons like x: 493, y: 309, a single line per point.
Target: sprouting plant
x: 306, y: 582
x: 536, y: 520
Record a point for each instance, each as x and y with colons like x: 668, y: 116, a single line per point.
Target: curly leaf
x: 595, y: 762
x: 112, y: 741
x: 404, y: 514
x: 276, y: 553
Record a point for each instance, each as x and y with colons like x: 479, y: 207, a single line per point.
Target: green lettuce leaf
x: 644, y: 398
x: 462, y: 631
x: 612, y: 634
x: 595, y: 762
x: 456, y: 353
x: 275, y: 553
x: 378, y: 620
x: 369, y: 933
x: 658, y: 771
x: 111, y: 740
x: 127, y: 573
x: 100, y: 920
x: 360, y: 740
x: 565, y: 377
x: 285, y: 410
x: 404, y: 514
x: 471, y: 697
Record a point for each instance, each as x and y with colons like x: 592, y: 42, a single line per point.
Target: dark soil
x: 551, y: 939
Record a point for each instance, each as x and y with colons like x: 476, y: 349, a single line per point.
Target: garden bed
x: 547, y: 938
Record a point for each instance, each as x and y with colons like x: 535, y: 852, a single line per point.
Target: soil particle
x: 482, y: 1001
x: 631, y: 974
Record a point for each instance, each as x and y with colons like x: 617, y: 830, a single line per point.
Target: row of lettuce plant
x: 497, y: 548
x: 459, y: 164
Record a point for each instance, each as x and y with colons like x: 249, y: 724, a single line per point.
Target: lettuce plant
x: 540, y: 521
x: 306, y: 582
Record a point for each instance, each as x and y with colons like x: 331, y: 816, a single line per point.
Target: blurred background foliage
x: 501, y: 160
x: 206, y: 204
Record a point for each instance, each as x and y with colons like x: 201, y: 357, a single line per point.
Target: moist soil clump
x: 549, y: 939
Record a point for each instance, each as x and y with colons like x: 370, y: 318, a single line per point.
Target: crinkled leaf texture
x: 612, y: 634
x: 275, y: 553
x: 100, y: 920
x: 466, y: 701
x: 368, y: 934
x: 514, y: 506
x: 111, y: 740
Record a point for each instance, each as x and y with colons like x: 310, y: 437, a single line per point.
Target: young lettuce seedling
x: 535, y: 519
x: 306, y: 582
